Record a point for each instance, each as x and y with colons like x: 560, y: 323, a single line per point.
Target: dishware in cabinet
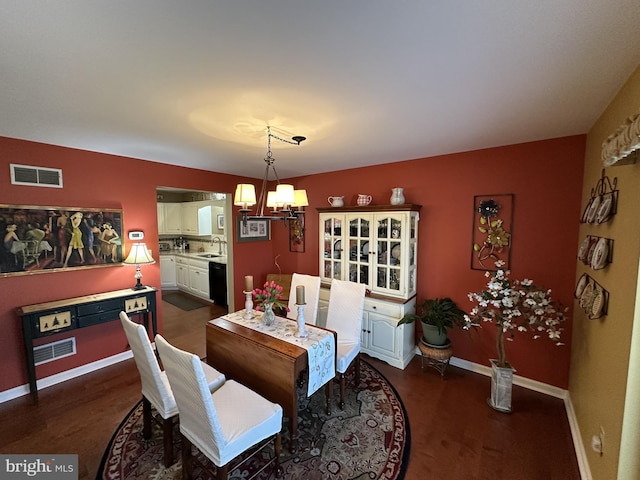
x: 373, y: 246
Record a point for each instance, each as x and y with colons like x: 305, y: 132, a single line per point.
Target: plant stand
x: 501, y: 386
x: 437, y: 358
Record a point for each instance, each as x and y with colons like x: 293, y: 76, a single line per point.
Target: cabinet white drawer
x: 181, y: 260
x: 203, y: 264
x: 383, y: 308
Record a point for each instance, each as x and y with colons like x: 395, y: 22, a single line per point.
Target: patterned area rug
x: 369, y: 439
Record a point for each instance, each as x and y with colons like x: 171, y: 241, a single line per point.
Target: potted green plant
x: 437, y: 315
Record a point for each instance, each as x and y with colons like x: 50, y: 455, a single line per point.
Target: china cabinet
x: 377, y: 246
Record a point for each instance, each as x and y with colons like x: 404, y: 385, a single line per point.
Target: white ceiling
x: 195, y: 83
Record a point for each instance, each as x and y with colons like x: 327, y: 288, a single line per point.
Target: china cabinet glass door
x: 358, y: 238
x: 332, y: 248
x: 377, y: 249
x: 389, y: 255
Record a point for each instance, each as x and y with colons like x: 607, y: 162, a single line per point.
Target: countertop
x: 195, y: 255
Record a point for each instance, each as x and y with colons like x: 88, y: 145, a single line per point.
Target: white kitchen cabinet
x: 196, y: 218
x: 169, y: 218
x: 382, y: 337
x: 182, y: 273
x: 199, y: 277
x: 192, y: 275
x: 168, y: 271
x: 377, y: 246
x: 190, y: 218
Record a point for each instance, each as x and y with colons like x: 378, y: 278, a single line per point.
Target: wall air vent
x: 36, y: 176
x: 53, y: 351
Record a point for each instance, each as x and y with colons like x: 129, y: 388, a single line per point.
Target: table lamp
x: 137, y: 256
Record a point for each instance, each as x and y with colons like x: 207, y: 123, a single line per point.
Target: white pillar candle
x: 300, y: 294
x: 248, y: 283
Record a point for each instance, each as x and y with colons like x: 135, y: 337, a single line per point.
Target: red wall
x: 545, y: 177
x: 546, y: 180
x: 91, y: 180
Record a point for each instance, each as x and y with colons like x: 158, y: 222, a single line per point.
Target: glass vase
x: 269, y: 317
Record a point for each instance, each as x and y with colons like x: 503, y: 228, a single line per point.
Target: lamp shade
x: 300, y: 198
x: 139, y: 255
x: 271, y: 200
x: 284, y: 194
x: 245, y: 195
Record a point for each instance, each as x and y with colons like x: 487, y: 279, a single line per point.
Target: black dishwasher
x: 218, y: 283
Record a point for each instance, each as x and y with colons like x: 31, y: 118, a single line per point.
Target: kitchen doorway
x: 196, y: 244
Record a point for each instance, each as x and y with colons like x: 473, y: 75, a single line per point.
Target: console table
x: 48, y: 318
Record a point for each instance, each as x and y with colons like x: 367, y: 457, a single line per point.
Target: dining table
x: 271, y: 359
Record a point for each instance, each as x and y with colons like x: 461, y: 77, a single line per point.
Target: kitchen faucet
x: 213, y: 241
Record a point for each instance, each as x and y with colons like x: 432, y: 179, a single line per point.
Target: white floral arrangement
x: 515, y: 306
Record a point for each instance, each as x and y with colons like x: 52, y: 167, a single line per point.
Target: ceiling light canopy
x: 285, y: 201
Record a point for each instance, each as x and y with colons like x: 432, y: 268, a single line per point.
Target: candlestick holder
x: 301, y: 332
x: 248, y: 305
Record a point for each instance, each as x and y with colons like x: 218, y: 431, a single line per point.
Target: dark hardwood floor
x: 454, y: 434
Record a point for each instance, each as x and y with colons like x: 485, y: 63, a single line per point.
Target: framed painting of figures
x: 49, y: 239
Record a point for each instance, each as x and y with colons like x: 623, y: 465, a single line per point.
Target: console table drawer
x: 88, y: 320
x: 100, y: 307
x: 51, y: 323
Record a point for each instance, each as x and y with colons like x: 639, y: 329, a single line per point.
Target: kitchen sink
x: 209, y: 255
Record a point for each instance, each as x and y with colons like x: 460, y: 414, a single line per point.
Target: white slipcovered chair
x: 222, y: 424
x: 156, y: 390
x: 344, y: 316
x: 311, y: 295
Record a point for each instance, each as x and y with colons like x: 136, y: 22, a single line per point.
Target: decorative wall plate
x: 593, y: 241
x: 585, y: 214
x: 587, y: 297
x: 597, y: 304
x: 601, y: 251
x: 582, y: 282
x: 584, y: 250
x: 593, y: 209
x: 605, y: 208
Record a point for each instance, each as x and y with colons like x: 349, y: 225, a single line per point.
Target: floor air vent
x: 36, y: 176
x: 53, y: 351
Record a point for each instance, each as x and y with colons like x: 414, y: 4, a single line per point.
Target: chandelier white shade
x: 285, y: 199
x: 300, y: 198
x: 245, y: 195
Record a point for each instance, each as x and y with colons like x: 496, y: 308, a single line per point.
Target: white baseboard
x: 517, y: 379
x: 578, y: 444
x: 16, y: 392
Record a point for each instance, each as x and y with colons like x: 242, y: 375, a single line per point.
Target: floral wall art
x: 492, y: 222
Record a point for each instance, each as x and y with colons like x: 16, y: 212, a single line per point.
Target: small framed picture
x: 221, y: 222
x: 253, y: 230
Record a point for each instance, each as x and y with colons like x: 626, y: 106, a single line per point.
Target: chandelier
x: 285, y: 202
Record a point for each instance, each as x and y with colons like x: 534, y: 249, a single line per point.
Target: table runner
x: 320, y: 344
